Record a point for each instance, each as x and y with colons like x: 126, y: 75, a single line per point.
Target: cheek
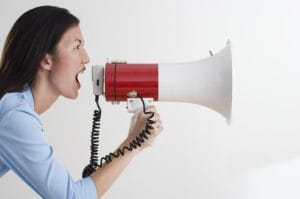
x: 62, y: 76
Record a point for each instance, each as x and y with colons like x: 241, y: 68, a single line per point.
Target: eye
x: 77, y: 47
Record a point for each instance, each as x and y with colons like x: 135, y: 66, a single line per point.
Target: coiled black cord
x: 93, y: 166
x: 135, y: 143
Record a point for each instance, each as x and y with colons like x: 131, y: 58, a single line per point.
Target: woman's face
x: 68, y: 62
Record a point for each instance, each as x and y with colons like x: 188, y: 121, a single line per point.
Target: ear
x: 47, y: 62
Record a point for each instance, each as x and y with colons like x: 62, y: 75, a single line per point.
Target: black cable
x: 93, y: 166
x: 135, y: 143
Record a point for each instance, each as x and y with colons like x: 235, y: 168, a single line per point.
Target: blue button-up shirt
x: 24, y: 150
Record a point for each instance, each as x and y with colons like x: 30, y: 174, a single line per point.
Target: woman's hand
x: 104, y: 177
x: 138, y: 124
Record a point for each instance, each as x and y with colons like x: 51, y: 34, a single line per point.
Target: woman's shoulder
x: 15, y: 101
x: 15, y: 109
x: 11, y: 101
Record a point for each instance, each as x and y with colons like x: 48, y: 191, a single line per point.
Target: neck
x: 43, y: 94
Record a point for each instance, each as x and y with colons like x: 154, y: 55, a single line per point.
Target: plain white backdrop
x: 198, y: 155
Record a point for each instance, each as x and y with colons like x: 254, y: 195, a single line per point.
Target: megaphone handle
x: 135, y: 104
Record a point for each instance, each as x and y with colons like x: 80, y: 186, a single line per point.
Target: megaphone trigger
x: 135, y: 104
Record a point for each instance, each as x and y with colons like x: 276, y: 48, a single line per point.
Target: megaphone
x: 207, y: 82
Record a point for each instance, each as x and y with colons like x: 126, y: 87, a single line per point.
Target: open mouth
x: 78, y: 76
x: 77, y: 79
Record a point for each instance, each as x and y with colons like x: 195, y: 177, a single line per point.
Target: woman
x: 42, y: 58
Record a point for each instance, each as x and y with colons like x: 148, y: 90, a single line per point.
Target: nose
x: 85, y: 57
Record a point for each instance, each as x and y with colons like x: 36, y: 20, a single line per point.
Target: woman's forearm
x: 148, y: 122
x: 105, y: 176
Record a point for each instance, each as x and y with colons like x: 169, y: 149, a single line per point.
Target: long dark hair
x: 35, y: 33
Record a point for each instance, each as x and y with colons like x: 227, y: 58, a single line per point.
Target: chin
x: 73, y: 95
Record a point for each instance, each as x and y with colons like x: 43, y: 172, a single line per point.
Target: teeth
x: 78, y: 78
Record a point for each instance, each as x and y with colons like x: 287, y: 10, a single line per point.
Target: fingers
x: 156, y: 131
x: 148, y: 109
x: 155, y: 118
x: 156, y: 127
x: 159, y: 129
x: 151, y: 108
x: 157, y: 123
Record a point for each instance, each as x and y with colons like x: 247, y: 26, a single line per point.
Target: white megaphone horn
x: 206, y: 82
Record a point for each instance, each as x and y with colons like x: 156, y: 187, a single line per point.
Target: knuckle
x: 151, y: 108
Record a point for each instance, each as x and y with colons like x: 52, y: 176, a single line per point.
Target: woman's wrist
x: 127, y: 143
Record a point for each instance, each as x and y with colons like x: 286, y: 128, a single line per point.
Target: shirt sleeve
x: 25, y: 151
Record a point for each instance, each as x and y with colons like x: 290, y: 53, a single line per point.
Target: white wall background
x: 198, y: 155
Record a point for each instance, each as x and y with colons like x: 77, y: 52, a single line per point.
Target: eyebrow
x: 78, y: 40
